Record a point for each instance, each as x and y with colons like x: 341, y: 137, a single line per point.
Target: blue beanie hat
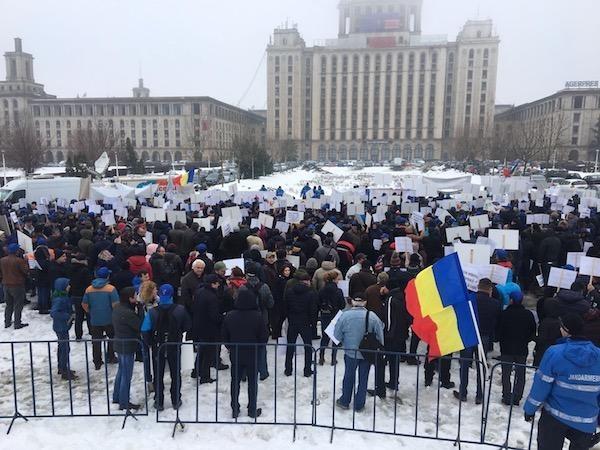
x: 13, y: 248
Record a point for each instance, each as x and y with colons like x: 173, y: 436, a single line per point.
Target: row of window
x: 375, y: 152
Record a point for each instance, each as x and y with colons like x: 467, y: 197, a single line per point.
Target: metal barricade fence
x: 290, y: 398
x: 38, y: 390
x: 413, y: 409
x: 515, y: 412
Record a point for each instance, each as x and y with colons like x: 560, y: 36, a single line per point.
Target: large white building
x: 160, y: 128
x: 565, y: 122
x: 381, y: 89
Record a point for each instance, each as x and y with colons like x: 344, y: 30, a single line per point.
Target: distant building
x: 569, y: 116
x: 381, y: 90
x: 160, y: 128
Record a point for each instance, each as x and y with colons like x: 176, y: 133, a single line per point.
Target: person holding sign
x: 331, y: 301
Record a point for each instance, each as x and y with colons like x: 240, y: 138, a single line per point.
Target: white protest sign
x: 254, y: 223
x: 294, y: 260
x: 589, y: 266
x: 505, y: 239
x: 561, y: 278
x: 204, y: 222
x: 344, y: 285
x: 479, y: 222
x: 282, y: 226
x: 377, y: 243
x: 108, y: 217
x: 266, y: 220
x: 331, y: 328
x: 176, y: 216
x: 472, y: 277
x: 574, y: 259
x: 473, y: 253
x: 231, y: 263
x: 403, y: 244
x: 330, y: 227
x: 25, y: 242
x: 226, y: 228
x: 496, y: 273
x: 294, y: 216
x: 461, y: 232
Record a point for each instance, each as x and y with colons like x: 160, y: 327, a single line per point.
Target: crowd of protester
x: 114, y: 282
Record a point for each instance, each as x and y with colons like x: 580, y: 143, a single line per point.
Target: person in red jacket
x: 138, y: 262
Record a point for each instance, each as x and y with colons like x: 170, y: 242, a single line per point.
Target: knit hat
x: 516, y: 296
x: 103, y: 272
x: 165, y: 293
x: 211, y: 278
x: 395, y: 260
x: 312, y: 264
x: 220, y: 266
x: 501, y: 254
x: 201, y: 247
x: 572, y: 324
x: 13, y: 248
x: 301, y: 275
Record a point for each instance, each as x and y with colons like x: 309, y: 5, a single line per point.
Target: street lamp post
x: 4, y: 165
x: 595, y: 164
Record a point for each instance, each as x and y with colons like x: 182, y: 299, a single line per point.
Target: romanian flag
x: 438, y: 300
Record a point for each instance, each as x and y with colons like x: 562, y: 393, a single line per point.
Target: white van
x: 32, y: 189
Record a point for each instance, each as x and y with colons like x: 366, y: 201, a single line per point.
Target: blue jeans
x: 123, y: 379
x: 43, y: 294
x: 349, y: 378
x: 63, y: 351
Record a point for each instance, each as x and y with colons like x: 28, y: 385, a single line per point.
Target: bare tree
x: 20, y: 144
x: 90, y: 142
x: 553, y: 131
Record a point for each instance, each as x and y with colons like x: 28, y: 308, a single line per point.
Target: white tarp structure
x: 113, y: 190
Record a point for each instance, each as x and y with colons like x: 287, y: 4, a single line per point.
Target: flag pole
x: 481, y: 351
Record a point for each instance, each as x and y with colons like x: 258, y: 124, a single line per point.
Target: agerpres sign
x: 581, y: 84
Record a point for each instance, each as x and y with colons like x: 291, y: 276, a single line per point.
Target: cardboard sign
x: 266, y: 220
x: 479, y: 222
x: 505, y: 239
x: 294, y: 216
x: 461, y: 232
x: 497, y: 274
x: 574, y: 259
x: 226, y: 228
x: 330, y: 227
x: 473, y: 253
x: 403, y: 245
x: 561, y: 278
x: 541, y: 219
x: 25, y: 242
x: 589, y: 266
x: 294, y: 260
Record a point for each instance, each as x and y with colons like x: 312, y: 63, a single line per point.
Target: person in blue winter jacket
x: 567, y: 388
x: 305, y: 190
x: 279, y: 192
x: 62, y: 319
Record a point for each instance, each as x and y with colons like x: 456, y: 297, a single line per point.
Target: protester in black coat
x: 244, y: 325
x: 206, y: 326
x: 331, y: 301
x: 516, y: 329
x: 573, y: 301
x: 548, y: 330
x: 80, y: 277
x: 301, y: 310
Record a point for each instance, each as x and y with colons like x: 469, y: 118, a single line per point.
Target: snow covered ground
x: 388, y: 415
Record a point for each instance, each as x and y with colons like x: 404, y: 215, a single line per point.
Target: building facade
x: 160, y: 128
x: 567, y: 118
x: 381, y: 90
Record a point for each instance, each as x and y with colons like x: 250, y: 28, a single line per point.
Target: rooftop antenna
x: 478, y: 6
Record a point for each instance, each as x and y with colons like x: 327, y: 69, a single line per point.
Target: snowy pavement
x: 391, y: 415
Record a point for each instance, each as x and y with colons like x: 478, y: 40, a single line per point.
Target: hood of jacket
x: 582, y: 353
x: 60, y: 285
x: 252, y: 280
x: 328, y: 265
x: 246, y: 301
x: 86, y: 234
x: 99, y: 283
x: 137, y: 260
x: 568, y: 296
x: 300, y: 288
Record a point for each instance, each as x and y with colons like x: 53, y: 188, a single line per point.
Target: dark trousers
x: 98, y: 332
x: 62, y: 353
x: 80, y: 316
x: 276, y: 319
x: 247, y: 367
x: 552, y: 434
x: 326, y: 319
x: 441, y: 365
x: 380, y: 364
x: 43, y: 295
x: 305, y: 333
x: 14, y: 298
x: 172, y: 357
x: 470, y: 358
x: 205, y: 359
x: 507, y: 366
x: 123, y: 379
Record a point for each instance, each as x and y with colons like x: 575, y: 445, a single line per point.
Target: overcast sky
x: 206, y: 47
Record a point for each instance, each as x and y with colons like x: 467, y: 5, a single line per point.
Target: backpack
x: 369, y: 342
x: 166, y: 329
